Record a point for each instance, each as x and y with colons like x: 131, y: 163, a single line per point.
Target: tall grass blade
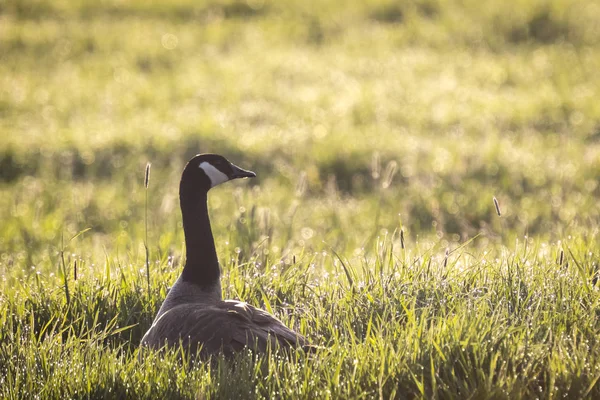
x: 146, y: 183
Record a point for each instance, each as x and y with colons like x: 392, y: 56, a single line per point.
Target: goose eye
x: 220, y: 163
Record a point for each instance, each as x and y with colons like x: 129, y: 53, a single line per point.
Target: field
x: 380, y: 132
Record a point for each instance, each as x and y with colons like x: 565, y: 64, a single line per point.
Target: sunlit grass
x: 401, y: 320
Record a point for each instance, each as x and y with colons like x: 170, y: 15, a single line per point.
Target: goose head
x: 206, y: 171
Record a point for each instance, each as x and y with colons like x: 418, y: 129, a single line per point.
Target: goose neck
x: 202, y: 265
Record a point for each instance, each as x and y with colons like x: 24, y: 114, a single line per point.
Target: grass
x: 425, y: 207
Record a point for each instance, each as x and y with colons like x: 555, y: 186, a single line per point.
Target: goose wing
x: 258, y: 329
x: 227, y: 326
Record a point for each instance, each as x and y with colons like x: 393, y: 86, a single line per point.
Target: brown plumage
x: 225, y: 326
x: 193, y: 314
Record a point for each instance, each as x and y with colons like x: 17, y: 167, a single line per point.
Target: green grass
x: 362, y: 120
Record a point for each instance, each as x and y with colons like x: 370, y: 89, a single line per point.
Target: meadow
x: 380, y: 133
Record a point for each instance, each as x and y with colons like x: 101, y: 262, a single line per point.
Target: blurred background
x: 361, y: 119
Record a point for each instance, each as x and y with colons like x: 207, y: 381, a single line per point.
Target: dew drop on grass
x: 307, y: 233
x: 169, y: 41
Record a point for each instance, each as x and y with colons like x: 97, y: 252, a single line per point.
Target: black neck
x: 201, y: 266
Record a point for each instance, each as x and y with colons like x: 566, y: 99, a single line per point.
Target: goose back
x: 223, y: 327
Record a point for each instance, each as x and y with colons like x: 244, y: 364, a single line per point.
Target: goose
x: 193, y: 314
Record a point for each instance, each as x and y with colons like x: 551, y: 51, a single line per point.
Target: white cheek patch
x: 216, y: 177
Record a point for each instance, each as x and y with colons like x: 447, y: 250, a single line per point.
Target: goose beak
x: 240, y: 173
